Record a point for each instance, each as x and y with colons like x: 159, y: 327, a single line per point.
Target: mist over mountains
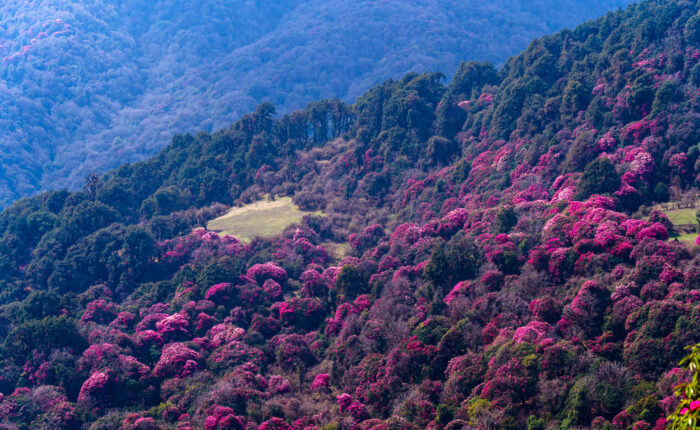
x: 89, y: 85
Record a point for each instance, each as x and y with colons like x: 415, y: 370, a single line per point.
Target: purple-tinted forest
x: 508, y: 263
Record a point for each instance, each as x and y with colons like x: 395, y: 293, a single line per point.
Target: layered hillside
x: 89, y: 85
x: 507, y: 264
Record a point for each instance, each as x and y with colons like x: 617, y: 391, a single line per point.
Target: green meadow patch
x: 264, y: 218
x: 681, y: 216
x: 684, y: 221
x: 688, y: 239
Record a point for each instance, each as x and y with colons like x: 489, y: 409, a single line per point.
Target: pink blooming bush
x: 223, y: 418
x: 222, y: 334
x: 123, y: 320
x: 535, y: 332
x: 100, y: 311
x: 679, y: 163
x: 643, y: 165
x: 149, y: 321
x: 147, y: 338
x: 588, y: 307
x: 262, y: 272
x: 302, y: 312
x: 463, y: 373
x: 173, y: 327
x: 344, y: 400
x: 655, y: 231
x: 291, y: 350
x: 358, y: 411
x: 176, y: 360
x: 272, y: 290
x: 367, y: 239
x: 233, y: 354
x: 320, y: 382
x: 275, y: 424
x: 143, y: 423
x: 96, y: 389
x: 545, y: 309
x: 278, y: 385
x: 98, y: 356
x: 220, y: 293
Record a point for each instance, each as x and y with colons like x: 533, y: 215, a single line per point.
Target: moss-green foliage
x: 534, y: 423
x: 460, y: 173
x: 599, y: 176
x: 430, y: 332
x: 506, y: 219
x: 350, y: 282
x: 576, y: 407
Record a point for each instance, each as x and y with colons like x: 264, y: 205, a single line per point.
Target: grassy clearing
x: 339, y: 250
x: 681, y: 219
x: 681, y: 216
x: 688, y: 239
x: 260, y: 219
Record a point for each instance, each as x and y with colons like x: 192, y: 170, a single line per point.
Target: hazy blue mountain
x: 88, y: 85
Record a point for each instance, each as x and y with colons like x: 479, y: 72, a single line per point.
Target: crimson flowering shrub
x: 291, y: 350
x: 305, y: 313
x: 535, y: 332
x: 221, y: 293
x: 97, y: 389
x: 100, y: 311
x: 262, y: 272
x: 367, y: 239
x: 123, y: 320
x: 320, y: 382
x: 223, y: 418
x: 149, y: 321
x: 587, y: 309
x: 463, y: 373
x: 545, y: 309
x: 272, y: 290
x: 176, y: 360
x: 148, y: 338
x: 173, y: 327
x: 233, y: 354
x: 274, y: 424
x: 278, y: 385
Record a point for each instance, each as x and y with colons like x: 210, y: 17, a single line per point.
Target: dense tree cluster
x: 504, y: 269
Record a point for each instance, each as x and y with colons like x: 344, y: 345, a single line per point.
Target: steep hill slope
x: 505, y: 269
x: 89, y: 85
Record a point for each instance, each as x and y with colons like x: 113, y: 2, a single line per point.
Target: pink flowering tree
x: 223, y: 418
x: 176, y: 360
x: 687, y: 413
x: 97, y: 389
x: 100, y: 311
x: 320, y: 382
x: 588, y: 307
x: 262, y: 272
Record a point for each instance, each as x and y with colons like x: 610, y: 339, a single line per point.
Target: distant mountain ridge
x: 89, y: 85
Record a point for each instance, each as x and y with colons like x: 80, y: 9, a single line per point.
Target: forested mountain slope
x: 505, y: 270
x: 89, y: 85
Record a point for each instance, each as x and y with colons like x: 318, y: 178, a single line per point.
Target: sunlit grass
x: 688, y: 239
x: 681, y: 216
x: 264, y: 218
